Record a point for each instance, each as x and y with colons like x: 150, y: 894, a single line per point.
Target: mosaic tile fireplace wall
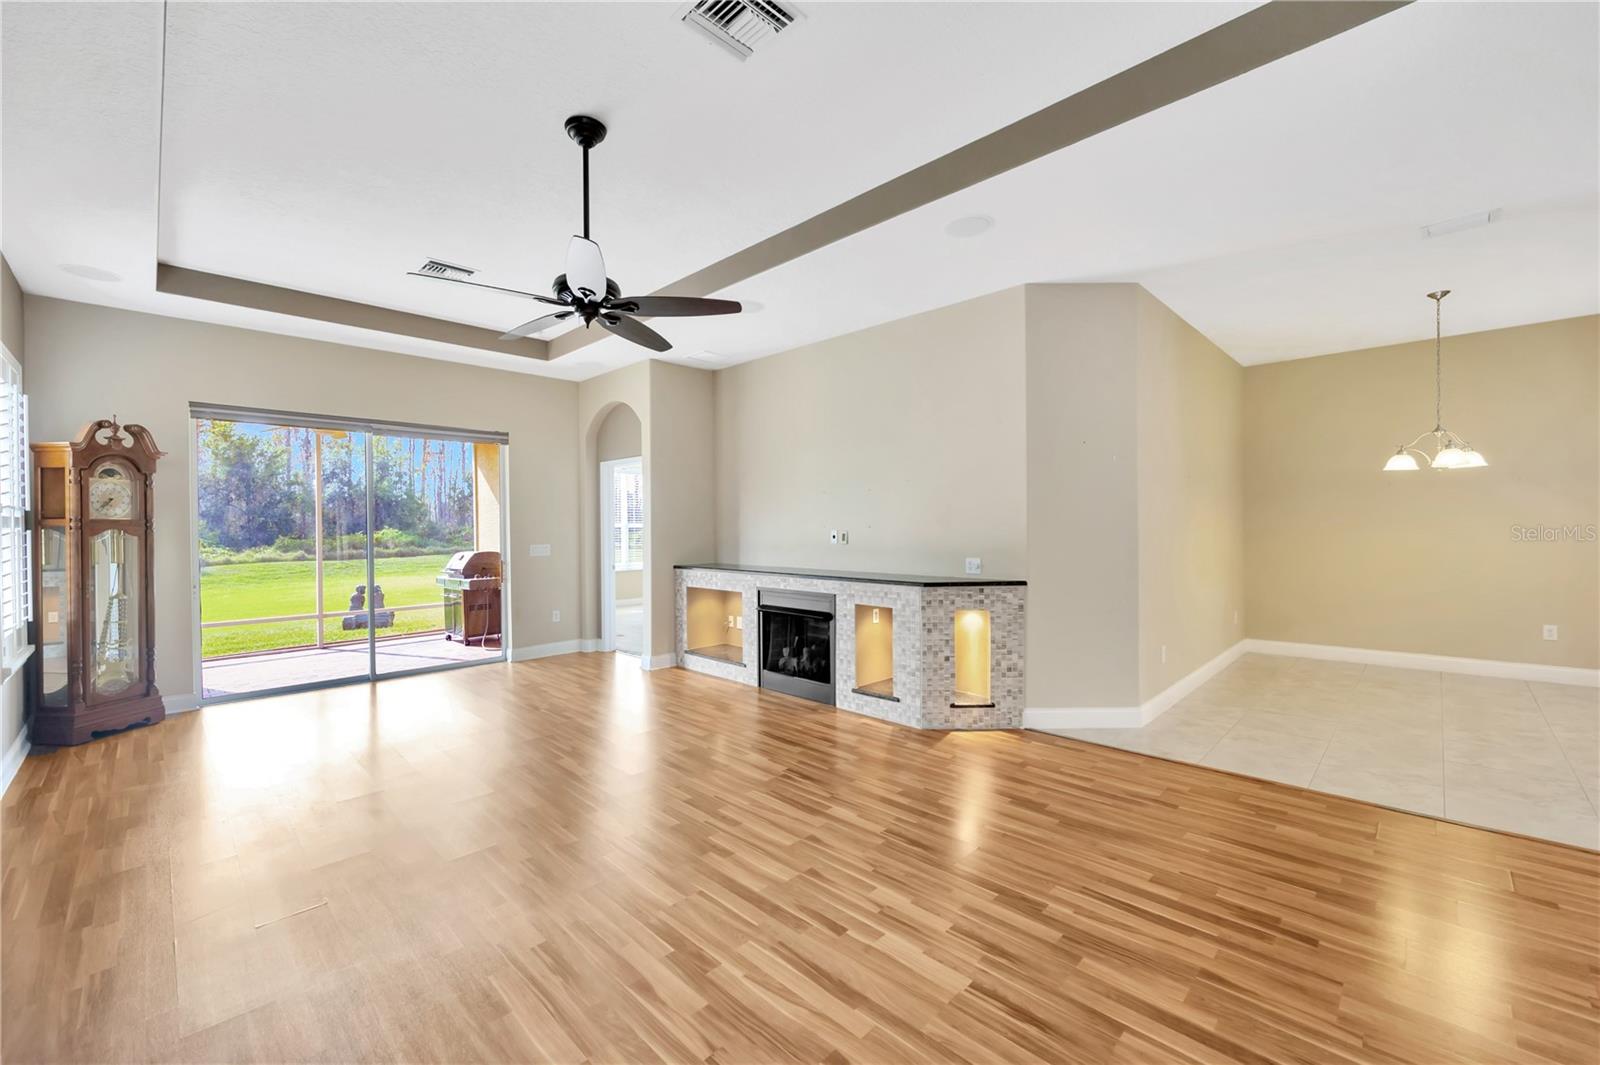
x: 900, y: 643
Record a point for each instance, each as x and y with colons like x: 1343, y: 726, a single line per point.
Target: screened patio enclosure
x: 321, y: 543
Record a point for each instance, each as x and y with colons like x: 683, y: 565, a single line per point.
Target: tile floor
x: 1505, y: 754
x: 630, y: 629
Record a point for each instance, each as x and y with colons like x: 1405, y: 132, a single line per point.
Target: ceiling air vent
x: 440, y: 268
x: 740, y: 25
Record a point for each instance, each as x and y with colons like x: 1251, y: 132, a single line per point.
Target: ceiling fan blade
x: 672, y: 306
x: 586, y: 269
x: 638, y: 332
x: 491, y: 288
x: 530, y: 328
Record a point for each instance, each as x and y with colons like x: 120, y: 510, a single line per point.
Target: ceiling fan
x: 585, y: 291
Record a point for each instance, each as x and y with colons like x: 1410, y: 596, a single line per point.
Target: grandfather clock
x: 95, y: 671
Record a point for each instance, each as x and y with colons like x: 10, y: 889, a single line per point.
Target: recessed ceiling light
x: 89, y: 273
x: 970, y: 226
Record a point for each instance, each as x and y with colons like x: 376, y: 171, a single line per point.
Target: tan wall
x: 621, y: 436
x: 10, y: 310
x: 90, y: 362
x: 1191, y: 498
x: 908, y: 435
x: 629, y: 584
x: 1082, y: 498
x: 679, y: 488
x: 486, y: 509
x: 11, y: 334
x: 1341, y: 553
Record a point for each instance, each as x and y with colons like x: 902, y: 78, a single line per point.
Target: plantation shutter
x: 16, y: 592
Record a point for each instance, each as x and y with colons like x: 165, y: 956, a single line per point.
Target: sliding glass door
x: 321, y: 552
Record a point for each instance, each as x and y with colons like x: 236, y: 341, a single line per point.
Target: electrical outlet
x: 555, y: 615
x: 52, y: 617
x: 730, y: 621
x: 738, y: 621
x: 844, y: 536
x: 1551, y: 632
x: 974, y: 566
x: 1163, y: 652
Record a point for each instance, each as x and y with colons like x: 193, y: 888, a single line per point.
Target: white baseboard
x: 1478, y: 667
x: 547, y: 650
x: 665, y: 661
x: 13, y: 759
x: 1072, y: 717
x: 180, y: 704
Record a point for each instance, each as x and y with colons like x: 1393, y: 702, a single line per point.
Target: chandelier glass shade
x: 1448, y: 451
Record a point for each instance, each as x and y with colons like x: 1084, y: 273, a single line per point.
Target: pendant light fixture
x: 1450, y: 452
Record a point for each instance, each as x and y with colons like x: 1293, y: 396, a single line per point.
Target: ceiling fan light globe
x: 586, y: 269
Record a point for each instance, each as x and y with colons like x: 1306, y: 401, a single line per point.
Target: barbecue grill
x: 471, y: 587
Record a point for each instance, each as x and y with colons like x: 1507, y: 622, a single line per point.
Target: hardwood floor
x: 568, y: 860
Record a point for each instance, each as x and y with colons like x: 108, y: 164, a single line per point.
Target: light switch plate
x: 974, y: 567
x: 539, y: 550
x: 1552, y: 632
x: 844, y: 536
x: 555, y: 615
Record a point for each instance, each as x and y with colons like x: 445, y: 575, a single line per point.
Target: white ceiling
x: 330, y: 147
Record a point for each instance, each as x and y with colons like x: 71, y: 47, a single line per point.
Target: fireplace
x: 797, y: 643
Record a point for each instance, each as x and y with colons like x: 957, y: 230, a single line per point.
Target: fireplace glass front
x: 797, y: 644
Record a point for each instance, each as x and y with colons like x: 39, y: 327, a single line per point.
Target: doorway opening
x: 330, y: 551
x: 622, y: 554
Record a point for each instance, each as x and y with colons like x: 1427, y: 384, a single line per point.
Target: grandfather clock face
x: 111, y: 493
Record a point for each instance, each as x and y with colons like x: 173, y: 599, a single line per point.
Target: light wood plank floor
x: 569, y: 860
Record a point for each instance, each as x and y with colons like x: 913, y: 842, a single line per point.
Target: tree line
x: 257, y: 490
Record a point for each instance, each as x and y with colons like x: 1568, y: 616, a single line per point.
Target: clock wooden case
x: 95, y: 667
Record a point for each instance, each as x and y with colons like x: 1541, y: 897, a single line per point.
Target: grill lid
x: 473, y: 564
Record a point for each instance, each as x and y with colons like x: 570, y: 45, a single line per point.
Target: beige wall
x: 91, y: 362
x: 908, y: 435
x: 629, y: 584
x: 11, y: 334
x: 1191, y: 498
x: 10, y: 310
x: 1341, y: 553
x: 620, y: 435
x: 1083, y: 500
x: 680, y: 489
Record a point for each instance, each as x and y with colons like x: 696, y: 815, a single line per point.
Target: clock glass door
x: 114, y: 612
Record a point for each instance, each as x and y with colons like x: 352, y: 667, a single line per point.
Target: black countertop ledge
x: 846, y: 575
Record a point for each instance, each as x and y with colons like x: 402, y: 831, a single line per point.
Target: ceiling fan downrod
x: 587, y: 132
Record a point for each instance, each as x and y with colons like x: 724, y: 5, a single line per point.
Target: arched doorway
x: 622, y: 517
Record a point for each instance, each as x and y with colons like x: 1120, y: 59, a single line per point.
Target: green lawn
x: 265, y: 589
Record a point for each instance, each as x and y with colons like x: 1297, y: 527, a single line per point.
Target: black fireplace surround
x: 797, y: 643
